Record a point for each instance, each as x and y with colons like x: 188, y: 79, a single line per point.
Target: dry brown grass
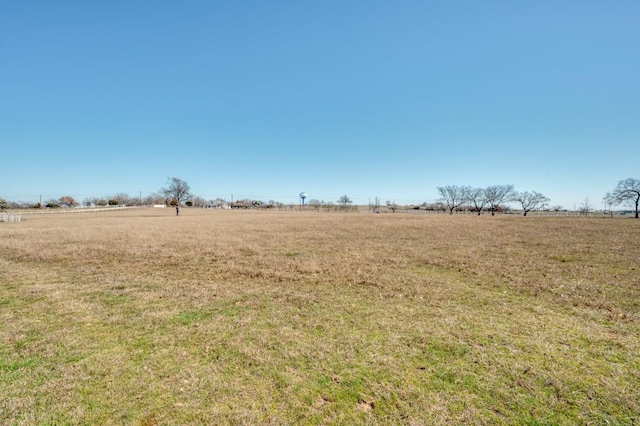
x: 285, y: 318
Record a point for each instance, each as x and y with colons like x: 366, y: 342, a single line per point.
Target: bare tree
x: 316, y: 204
x: 496, y: 195
x: 530, y: 201
x: 154, y: 198
x: 585, y: 207
x: 344, y: 201
x: 177, y: 191
x: 452, y: 196
x: 477, y: 197
x: 68, y: 201
x: 198, y: 201
x: 123, y: 199
x: 219, y: 202
x: 626, y: 192
x: 20, y: 205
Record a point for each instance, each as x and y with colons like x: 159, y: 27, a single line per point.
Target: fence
x: 77, y: 210
x: 4, y: 217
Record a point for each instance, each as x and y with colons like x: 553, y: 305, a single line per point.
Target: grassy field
x: 227, y: 317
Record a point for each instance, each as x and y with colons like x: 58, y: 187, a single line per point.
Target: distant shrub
x: 67, y: 201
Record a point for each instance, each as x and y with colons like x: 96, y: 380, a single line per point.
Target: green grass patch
x: 187, y: 318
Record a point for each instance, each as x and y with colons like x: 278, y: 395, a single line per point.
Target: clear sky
x: 265, y: 99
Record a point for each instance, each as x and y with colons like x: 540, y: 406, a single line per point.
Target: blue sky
x: 265, y: 99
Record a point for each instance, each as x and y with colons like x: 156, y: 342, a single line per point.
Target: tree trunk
x: 525, y: 213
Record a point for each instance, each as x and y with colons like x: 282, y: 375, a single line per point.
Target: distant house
x: 242, y: 204
x: 213, y: 205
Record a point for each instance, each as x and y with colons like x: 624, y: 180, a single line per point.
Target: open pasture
x: 227, y: 317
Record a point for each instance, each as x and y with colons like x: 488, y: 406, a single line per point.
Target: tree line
x: 491, y: 199
x: 120, y: 199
